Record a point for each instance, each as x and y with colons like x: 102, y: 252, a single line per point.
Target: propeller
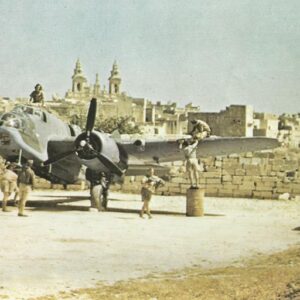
x: 110, y: 165
x: 85, y: 146
x: 58, y: 157
x: 91, y: 117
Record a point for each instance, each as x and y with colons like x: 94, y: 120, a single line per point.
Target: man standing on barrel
x: 191, y: 161
x: 200, y: 131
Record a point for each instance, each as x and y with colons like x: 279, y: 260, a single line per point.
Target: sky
x: 212, y: 53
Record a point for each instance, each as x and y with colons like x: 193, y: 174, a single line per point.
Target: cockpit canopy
x: 12, y: 120
x: 30, y: 110
x: 19, y: 116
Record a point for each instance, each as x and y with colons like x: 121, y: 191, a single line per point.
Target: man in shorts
x: 149, y: 185
x: 191, y: 161
x: 26, y: 182
x: 8, y: 184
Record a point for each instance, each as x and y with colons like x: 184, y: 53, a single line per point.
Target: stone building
x: 286, y: 128
x: 235, y: 120
x: 114, y: 80
x: 5, y: 104
x: 265, y: 125
x: 113, y: 103
x: 289, y: 130
x: 166, y: 119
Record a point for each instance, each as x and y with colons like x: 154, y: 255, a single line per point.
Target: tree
x: 123, y: 124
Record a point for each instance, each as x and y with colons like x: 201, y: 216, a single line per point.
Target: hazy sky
x: 212, y: 53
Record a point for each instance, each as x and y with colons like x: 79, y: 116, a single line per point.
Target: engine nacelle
x: 98, y: 143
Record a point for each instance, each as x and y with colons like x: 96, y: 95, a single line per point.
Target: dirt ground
x: 269, y: 277
x: 240, y: 249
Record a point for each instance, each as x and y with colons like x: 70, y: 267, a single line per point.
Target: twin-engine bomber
x: 60, y: 150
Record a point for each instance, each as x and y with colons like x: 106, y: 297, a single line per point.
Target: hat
x: 194, y: 121
x: 29, y: 162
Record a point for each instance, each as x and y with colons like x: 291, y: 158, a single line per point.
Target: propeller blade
x: 58, y: 157
x: 110, y: 165
x: 91, y: 117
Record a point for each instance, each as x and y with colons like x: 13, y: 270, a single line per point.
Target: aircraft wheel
x: 96, y: 197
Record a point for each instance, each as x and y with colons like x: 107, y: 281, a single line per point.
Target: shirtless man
x: 191, y: 161
x: 200, y: 130
x: 149, y: 184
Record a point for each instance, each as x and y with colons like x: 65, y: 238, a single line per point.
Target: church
x: 153, y: 118
x: 81, y: 90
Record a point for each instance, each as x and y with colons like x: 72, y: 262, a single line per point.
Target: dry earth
x: 72, y: 253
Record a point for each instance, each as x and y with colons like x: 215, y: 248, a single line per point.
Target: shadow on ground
x: 62, y: 205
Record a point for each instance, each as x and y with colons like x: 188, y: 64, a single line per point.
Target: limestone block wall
x: 45, y: 184
x: 263, y: 175
x: 236, y: 120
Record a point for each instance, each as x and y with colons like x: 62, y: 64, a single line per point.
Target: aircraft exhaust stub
x: 140, y: 145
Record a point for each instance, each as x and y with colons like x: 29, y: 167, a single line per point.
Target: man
x: 191, y: 160
x: 105, y: 183
x: 26, y: 182
x: 200, y: 130
x: 8, y: 184
x: 37, y: 96
x: 149, y: 184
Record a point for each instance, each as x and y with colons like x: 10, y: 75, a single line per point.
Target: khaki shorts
x: 8, y: 187
x: 192, y: 165
x: 200, y: 135
x: 146, y: 194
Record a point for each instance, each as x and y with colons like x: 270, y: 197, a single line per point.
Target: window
x: 44, y: 117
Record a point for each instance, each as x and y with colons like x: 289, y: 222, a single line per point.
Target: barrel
x: 194, y: 202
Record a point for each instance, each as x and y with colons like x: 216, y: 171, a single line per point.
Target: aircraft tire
x: 96, y: 197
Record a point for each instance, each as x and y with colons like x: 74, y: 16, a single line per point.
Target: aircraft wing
x: 166, y: 151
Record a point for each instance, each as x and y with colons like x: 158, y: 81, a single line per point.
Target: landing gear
x: 97, y: 197
x: 100, y: 182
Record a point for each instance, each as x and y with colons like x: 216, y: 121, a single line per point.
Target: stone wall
x: 263, y: 175
x: 45, y: 184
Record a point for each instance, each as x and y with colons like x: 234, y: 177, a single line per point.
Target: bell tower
x: 114, y: 80
x: 97, y: 86
x: 79, y: 81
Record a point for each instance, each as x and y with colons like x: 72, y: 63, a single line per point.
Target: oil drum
x: 194, y: 202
